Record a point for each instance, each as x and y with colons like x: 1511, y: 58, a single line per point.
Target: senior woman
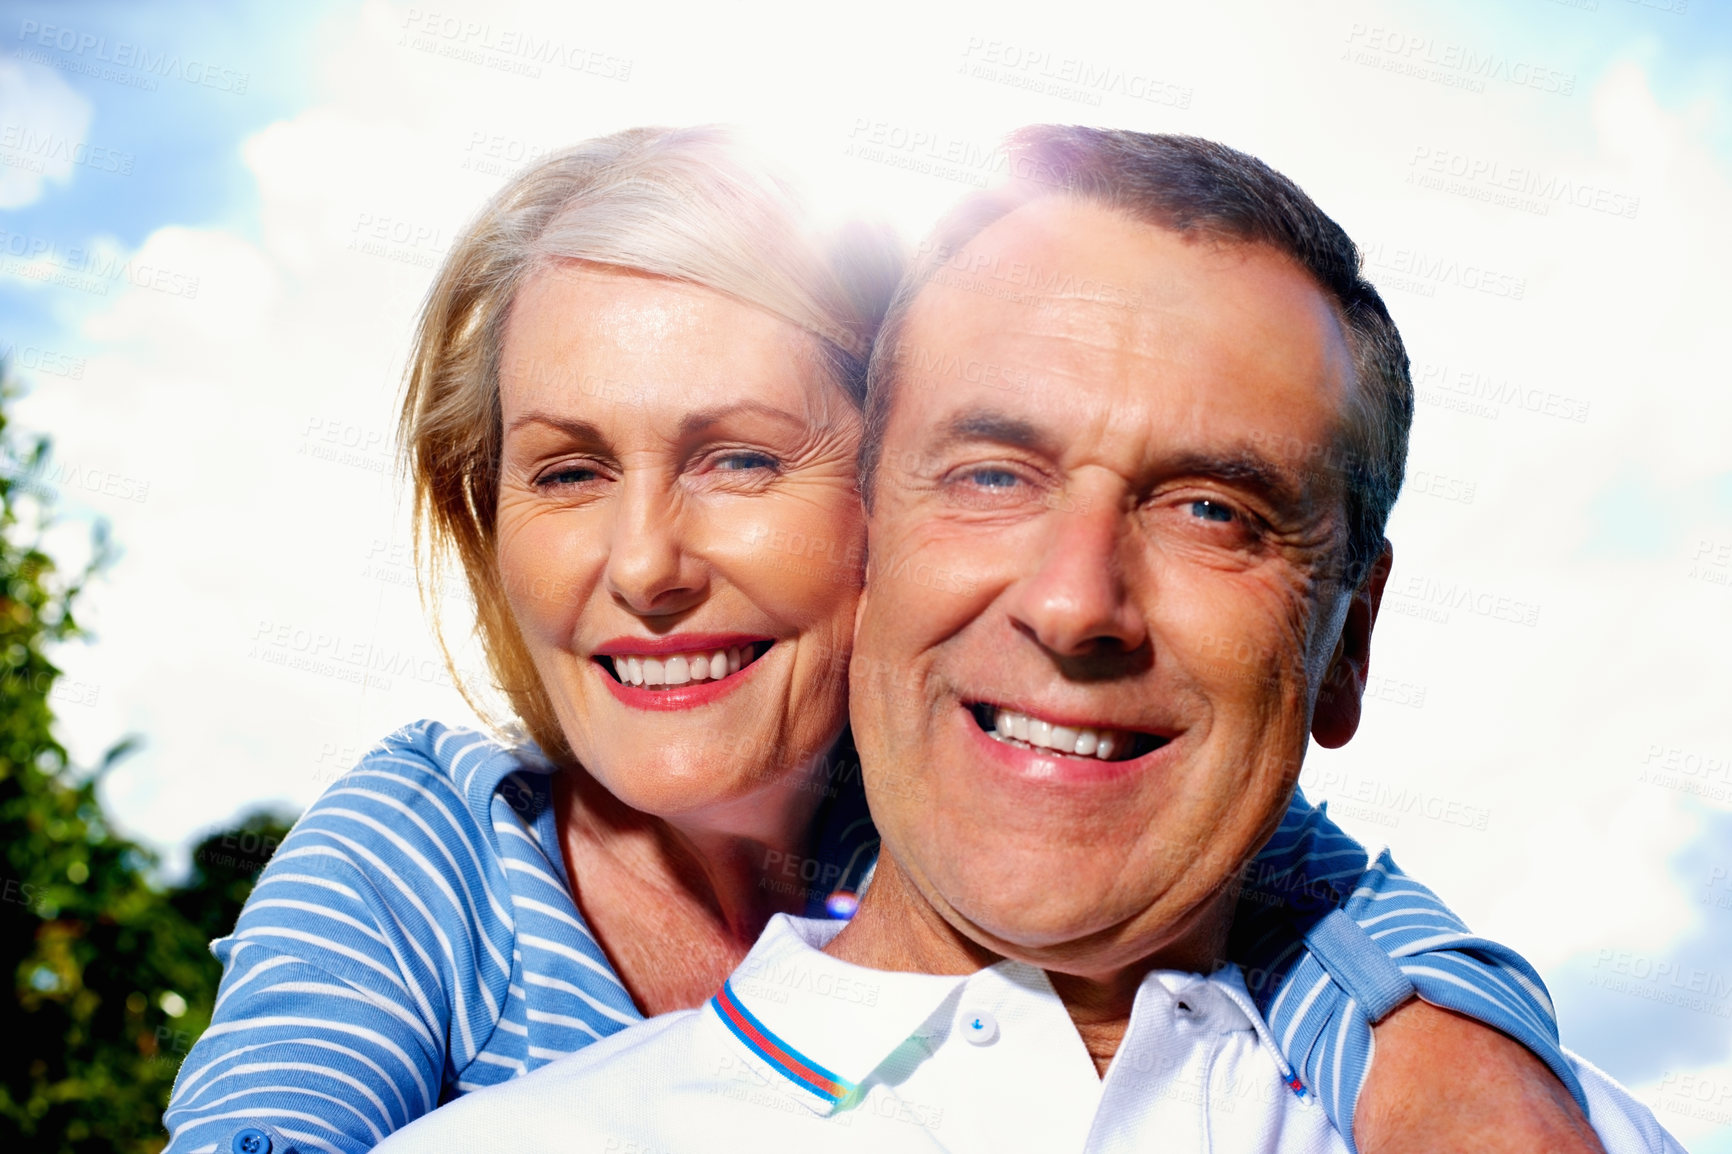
x: 632, y: 417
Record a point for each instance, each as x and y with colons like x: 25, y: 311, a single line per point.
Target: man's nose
x: 1075, y: 599
x: 650, y: 570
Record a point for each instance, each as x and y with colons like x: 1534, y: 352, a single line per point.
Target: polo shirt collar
x: 819, y: 1023
x: 1228, y: 983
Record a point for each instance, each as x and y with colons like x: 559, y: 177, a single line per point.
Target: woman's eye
x: 1212, y: 511
x: 742, y: 461
x: 565, y: 475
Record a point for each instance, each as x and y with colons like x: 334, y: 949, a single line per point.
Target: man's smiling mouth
x: 1030, y: 732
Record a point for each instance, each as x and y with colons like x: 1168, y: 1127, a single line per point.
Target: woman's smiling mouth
x: 679, y: 671
x: 670, y: 671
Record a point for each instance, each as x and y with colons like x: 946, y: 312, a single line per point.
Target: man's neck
x: 897, y: 929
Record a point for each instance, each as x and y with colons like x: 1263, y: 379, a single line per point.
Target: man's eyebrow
x: 1243, y: 468
x: 996, y: 427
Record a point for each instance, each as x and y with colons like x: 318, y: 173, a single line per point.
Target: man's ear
x: 1336, y: 716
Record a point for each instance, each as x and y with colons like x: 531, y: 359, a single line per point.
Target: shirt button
x: 980, y: 1028
x: 251, y: 1141
x: 1194, y: 1001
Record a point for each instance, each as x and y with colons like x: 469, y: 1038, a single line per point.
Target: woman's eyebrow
x: 702, y: 419
x: 572, y: 427
x: 693, y: 423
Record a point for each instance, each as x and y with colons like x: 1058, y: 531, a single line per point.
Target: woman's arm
x: 1333, y: 944
x: 365, y: 972
x: 294, y: 1048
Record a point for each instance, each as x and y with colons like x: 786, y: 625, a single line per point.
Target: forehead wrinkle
x: 1067, y: 341
x: 650, y: 341
x: 1087, y: 240
x: 1052, y: 352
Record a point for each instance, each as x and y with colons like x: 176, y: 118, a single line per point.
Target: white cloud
x: 43, y: 123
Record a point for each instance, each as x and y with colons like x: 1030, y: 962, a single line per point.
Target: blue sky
x: 184, y: 138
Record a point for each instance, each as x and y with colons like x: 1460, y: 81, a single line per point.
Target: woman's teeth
x: 1010, y: 726
x: 667, y: 672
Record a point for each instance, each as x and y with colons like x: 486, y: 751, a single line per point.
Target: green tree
x: 112, y: 975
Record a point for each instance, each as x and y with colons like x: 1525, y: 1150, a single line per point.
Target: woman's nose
x: 650, y: 570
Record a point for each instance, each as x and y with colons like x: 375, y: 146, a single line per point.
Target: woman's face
x: 680, y: 536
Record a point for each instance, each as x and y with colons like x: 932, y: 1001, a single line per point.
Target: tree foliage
x: 112, y: 977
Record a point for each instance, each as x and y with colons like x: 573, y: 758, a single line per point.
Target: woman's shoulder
x: 458, y: 754
x: 420, y: 801
x: 406, y: 842
x: 387, y: 914
x: 430, y: 764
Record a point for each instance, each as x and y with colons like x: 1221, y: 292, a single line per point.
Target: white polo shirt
x: 800, y: 1052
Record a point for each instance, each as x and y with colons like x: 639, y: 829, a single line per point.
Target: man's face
x: 1084, y: 527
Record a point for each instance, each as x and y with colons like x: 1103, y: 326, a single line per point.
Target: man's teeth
x: 1100, y: 743
x: 681, y: 668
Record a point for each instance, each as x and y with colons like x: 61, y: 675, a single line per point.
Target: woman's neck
x: 677, y: 903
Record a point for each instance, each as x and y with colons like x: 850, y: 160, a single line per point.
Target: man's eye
x: 1212, y: 511
x: 989, y: 478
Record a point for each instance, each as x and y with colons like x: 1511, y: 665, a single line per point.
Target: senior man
x: 1161, y: 512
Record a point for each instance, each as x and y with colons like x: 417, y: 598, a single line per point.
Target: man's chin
x: 1086, y: 931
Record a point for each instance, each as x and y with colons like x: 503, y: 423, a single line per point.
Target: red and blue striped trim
x: 786, y: 1060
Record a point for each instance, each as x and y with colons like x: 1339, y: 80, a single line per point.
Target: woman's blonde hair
x: 691, y: 204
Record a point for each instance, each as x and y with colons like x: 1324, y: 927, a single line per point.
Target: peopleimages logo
x: 96, y: 55
x: 1663, y: 980
x: 88, y: 269
x: 1432, y: 598
x: 927, y: 152
x: 1486, y: 394
x: 1419, y: 271
x: 1066, y: 77
x: 513, y: 50
x: 24, y: 147
x: 1457, y: 65
x: 1517, y: 186
x: 36, y: 359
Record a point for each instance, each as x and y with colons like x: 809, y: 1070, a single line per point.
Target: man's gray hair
x: 1196, y: 188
